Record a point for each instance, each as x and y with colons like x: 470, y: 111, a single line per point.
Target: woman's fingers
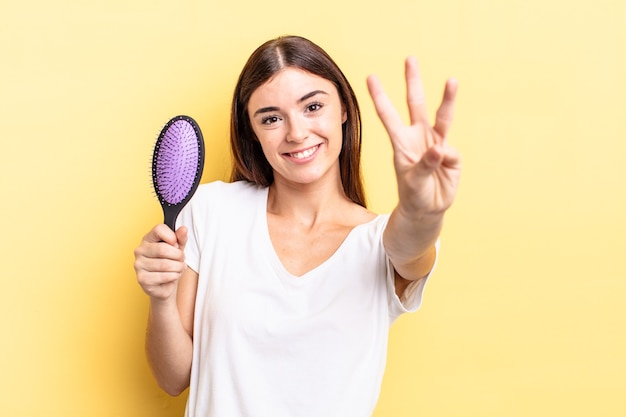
x: 384, y: 107
x: 445, y: 113
x: 161, y: 233
x: 181, y: 237
x: 415, y: 97
x: 413, y: 143
x: 416, y: 100
x: 160, y: 260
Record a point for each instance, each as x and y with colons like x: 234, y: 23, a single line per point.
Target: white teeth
x: 303, y: 154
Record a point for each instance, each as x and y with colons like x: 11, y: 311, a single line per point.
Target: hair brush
x: 177, y: 163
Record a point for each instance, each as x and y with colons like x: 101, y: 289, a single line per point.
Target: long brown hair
x: 249, y: 162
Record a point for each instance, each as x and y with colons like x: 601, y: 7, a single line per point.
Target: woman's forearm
x: 169, y: 347
x: 409, y: 240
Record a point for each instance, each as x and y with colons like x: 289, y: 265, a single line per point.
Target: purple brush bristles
x: 177, y: 162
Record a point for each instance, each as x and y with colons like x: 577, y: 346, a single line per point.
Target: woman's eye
x: 269, y: 120
x: 313, y: 107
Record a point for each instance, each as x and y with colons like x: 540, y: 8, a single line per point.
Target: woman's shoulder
x: 222, y: 200
x: 362, y: 222
x: 365, y: 222
x: 226, y: 198
x: 357, y: 215
x: 228, y: 190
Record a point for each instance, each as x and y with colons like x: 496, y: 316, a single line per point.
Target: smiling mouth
x: 305, y: 153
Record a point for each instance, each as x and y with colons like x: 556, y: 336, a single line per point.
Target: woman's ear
x: 344, y: 114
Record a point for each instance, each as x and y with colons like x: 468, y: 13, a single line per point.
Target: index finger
x: 162, y: 233
x: 383, y: 105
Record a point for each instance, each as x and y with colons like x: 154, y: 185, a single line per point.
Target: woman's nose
x: 298, y: 130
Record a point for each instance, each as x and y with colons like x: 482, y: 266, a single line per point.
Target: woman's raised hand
x: 160, y: 262
x: 427, y: 169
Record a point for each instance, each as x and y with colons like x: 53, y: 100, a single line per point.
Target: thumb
x: 181, y: 236
x: 431, y: 160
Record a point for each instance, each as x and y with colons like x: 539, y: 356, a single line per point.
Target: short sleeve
x: 192, y: 251
x: 200, y: 216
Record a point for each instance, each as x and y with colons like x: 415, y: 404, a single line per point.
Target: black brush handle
x: 170, y: 213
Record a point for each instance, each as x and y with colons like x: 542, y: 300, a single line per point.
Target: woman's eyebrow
x: 266, y: 110
x: 311, y: 94
x: 300, y: 100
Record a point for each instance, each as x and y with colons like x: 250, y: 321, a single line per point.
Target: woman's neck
x: 308, y: 203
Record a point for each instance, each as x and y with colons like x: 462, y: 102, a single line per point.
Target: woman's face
x: 297, y: 118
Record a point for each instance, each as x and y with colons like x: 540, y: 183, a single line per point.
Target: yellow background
x: 526, y: 315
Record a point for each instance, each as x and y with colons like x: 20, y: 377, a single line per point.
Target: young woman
x: 275, y: 295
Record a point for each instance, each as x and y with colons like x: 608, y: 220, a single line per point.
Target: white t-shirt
x: 270, y: 344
